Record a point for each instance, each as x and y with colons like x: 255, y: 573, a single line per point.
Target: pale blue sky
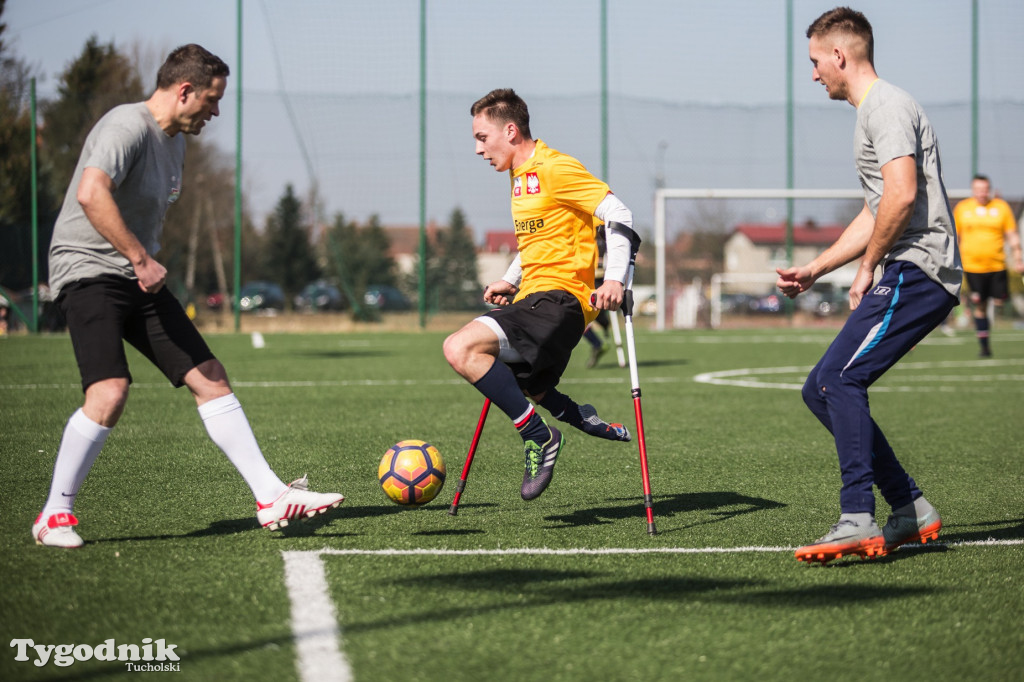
x: 672, y: 53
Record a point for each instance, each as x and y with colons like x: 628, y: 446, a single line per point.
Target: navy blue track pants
x: 901, y: 309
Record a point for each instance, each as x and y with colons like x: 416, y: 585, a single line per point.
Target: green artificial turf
x: 173, y: 550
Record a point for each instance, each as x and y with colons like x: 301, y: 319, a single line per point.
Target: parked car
x: 215, y: 301
x: 824, y: 301
x: 386, y: 298
x: 770, y: 303
x: 261, y: 296
x: 319, y: 295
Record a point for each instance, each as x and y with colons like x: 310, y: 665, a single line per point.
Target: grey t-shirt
x: 146, y: 167
x: 890, y: 124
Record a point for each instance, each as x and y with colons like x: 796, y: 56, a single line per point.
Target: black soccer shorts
x: 986, y: 285
x: 103, y: 311
x: 543, y: 328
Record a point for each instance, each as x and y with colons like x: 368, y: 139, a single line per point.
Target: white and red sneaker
x: 57, y: 530
x: 298, y: 502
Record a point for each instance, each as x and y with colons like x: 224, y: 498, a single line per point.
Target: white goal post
x: 662, y: 195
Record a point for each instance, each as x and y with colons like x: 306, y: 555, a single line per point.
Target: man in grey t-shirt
x: 906, y: 227
x: 110, y: 288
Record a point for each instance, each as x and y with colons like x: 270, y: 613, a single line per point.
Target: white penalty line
x: 314, y: 620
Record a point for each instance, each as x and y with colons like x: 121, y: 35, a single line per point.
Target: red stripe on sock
x: 526, y: 419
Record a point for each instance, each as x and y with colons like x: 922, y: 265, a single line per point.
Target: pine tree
x: 459, y: 287
x: 289, y: 259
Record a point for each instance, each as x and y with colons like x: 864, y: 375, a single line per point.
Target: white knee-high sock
x: 229, y: 428
x: 82, y: 441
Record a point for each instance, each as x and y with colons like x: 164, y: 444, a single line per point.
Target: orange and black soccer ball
x: 411, y: 472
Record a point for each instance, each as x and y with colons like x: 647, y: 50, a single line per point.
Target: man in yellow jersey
x: 547, y: 296
x: 984, y: 224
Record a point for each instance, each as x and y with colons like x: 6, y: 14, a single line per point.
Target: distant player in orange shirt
x: 984, y: 225
x: 522, y: 348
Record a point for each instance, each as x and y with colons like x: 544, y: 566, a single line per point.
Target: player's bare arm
x: 849, y: 247
x: 96, y: 195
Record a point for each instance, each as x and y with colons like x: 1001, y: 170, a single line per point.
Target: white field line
x: 346, y: 383
x: 746, y: 377
x: 314, y: 621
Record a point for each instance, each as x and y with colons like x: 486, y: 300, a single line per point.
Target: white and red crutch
x: 634, y: 380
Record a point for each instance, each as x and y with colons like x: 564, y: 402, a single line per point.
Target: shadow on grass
x: 530, y: 588
x: 371, y: 511
x: 215, y: 529
x: 818, y: 596
x: 452, y: 531
x: 1012, y: 529
x: 304, y: 528
x: 226, y: 527
x: 608, y: 366
x: 119, y: 668
x: 722, y: 506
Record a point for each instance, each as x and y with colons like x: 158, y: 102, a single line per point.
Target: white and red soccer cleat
x: 297, y: 502
x: 57, y: 530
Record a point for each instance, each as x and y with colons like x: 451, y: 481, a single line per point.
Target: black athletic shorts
x: 985, y: 285
x: 101, y: 311
x: 543, y: 328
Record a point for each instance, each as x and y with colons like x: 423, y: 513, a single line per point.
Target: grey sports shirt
x: 146, y: 167
x: 890, y: 124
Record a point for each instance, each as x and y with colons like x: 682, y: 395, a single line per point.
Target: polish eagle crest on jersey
x: 532, y: 183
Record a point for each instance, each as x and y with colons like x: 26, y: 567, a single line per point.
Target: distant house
x: 499, y: 248
x: 492, y: 259
x: 754, y: 251
x: 405, y: 244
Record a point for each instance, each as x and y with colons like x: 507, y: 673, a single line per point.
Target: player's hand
x: 608, y: 296
x: 500, y: 293
x: 794, y: 281
x: 861, y: 286
x: 151, y: 274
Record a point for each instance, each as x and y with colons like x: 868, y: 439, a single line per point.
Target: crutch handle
x: 627, y: 301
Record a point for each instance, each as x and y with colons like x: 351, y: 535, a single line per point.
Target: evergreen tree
x: 289, y: 259
x: 16, y: 177
x: 459, y: 286
x: 99, y: 79
x: 378, y: 265
x: 359, y: 257
x: 433, y: 273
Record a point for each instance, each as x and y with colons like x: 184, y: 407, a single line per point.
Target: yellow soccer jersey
x: 981, y: 231
x: 553, y: 202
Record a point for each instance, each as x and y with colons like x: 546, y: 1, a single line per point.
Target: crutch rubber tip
x: 651, y: 530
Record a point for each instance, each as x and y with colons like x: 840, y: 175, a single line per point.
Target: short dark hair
x: 193, y: 64
x: 983, y: 178
x: 845, y: 20
x: 504, y: 105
